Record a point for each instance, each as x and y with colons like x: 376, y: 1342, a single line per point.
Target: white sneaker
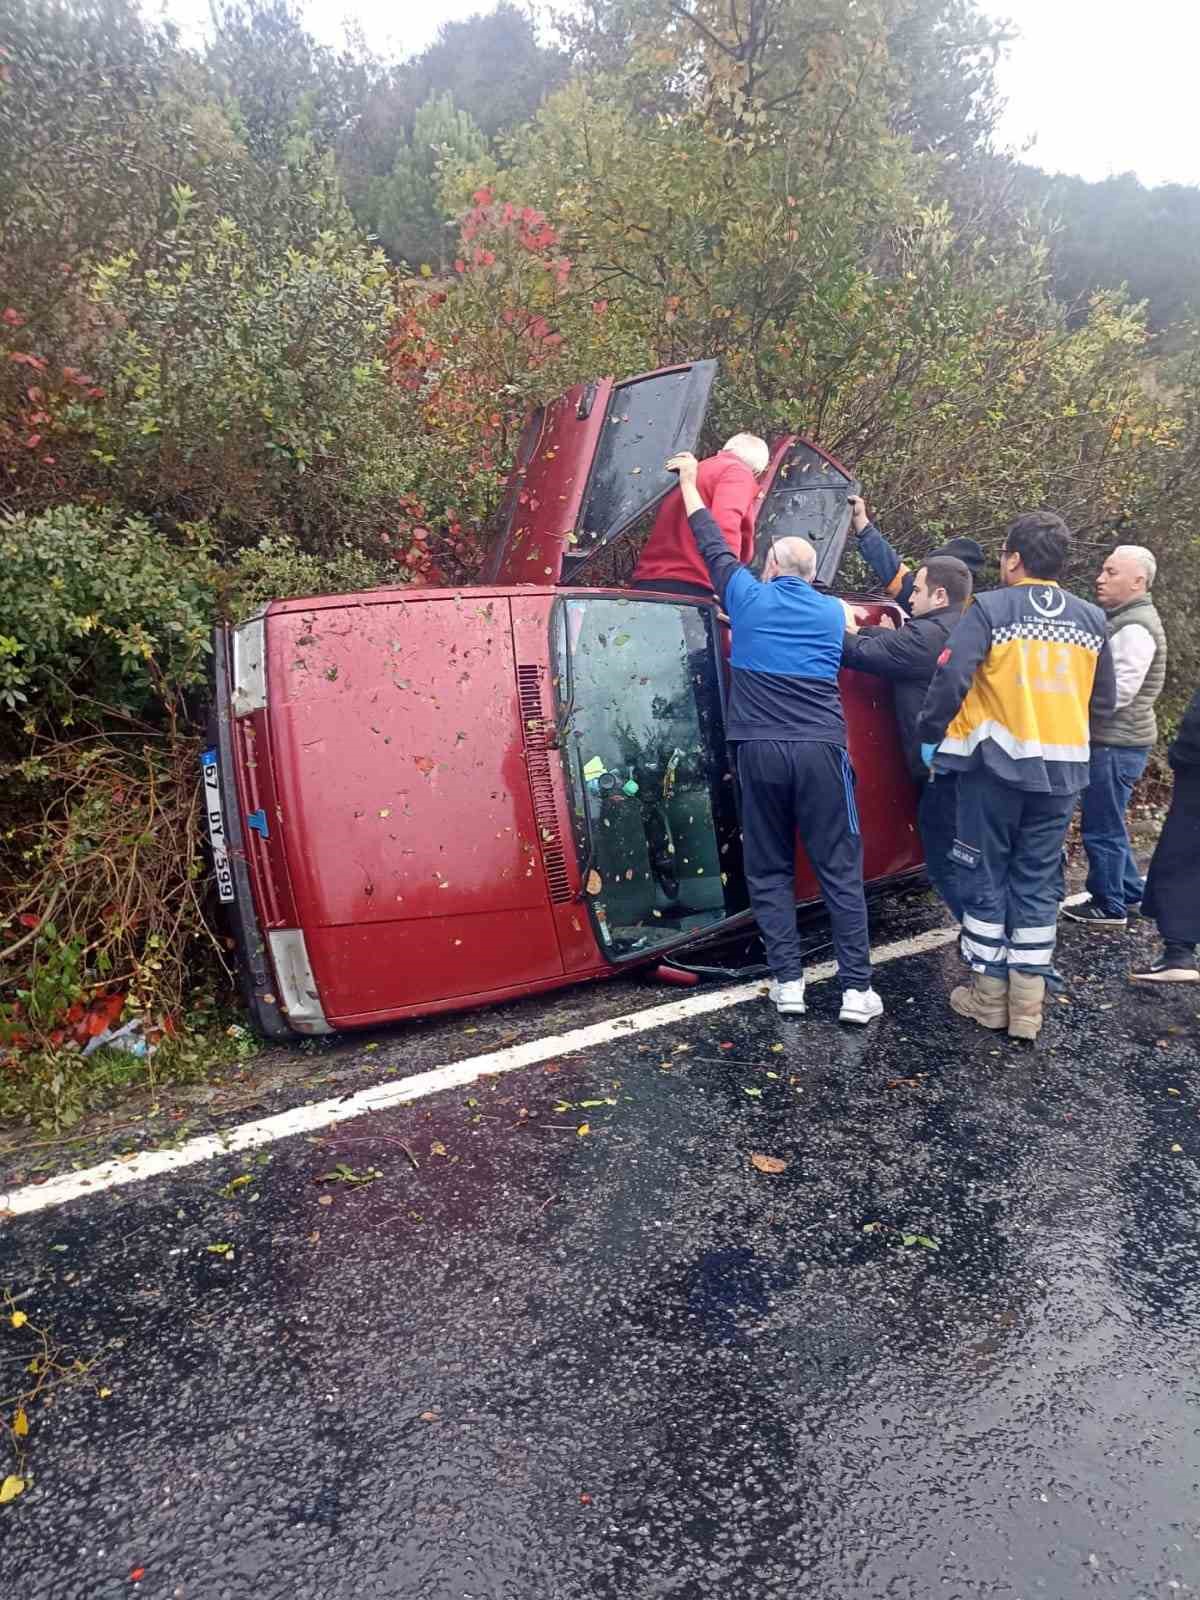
x: 860, y: 1005
x: 788, y: 997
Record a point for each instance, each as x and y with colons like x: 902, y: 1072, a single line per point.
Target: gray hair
x: 1143, y: 558
x: 750, y: 450
x: 795, y: 558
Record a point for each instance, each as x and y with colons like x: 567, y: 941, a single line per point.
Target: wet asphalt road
x: 627, y: 1364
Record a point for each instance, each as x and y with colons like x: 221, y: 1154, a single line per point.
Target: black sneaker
x: 1176, y: 964
x: 1090, y: 914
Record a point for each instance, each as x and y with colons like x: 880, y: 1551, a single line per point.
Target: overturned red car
x: 422, y: 800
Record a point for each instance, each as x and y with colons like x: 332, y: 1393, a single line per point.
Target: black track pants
x: 805, y: 789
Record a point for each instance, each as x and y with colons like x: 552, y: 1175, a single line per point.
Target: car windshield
x: 639, y: 701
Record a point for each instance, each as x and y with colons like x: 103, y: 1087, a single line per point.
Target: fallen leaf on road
x: 583, y: 1129
x: 314, y: 1236
x: 1176, y: 1149
x: 137, y: 1574
x: 219, y: 1249
x: 429, y: 1416
x: 325, y: 1200
x: 778, y: 1049
x: 11, y: 1488
x: 20, y: 1423
x: 104, y: 1393
x: 755, y: 1094
x: 768, y: 1163
x: 437, y: 1148
x: 905, y: 1083
x: 19, y: 1319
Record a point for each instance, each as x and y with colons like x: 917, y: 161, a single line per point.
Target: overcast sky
x: 1100, y: 86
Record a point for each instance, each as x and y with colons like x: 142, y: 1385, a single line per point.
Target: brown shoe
x: 985, y: 1001
x: 1026, y: 997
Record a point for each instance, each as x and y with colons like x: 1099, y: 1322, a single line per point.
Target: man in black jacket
x: 908, y: 658
x: 1172, y: 894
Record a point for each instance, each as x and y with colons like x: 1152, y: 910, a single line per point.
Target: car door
x: 590, y: 465
x: 805, y: 494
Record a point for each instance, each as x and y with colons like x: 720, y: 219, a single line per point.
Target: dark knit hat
x: 967, y: 551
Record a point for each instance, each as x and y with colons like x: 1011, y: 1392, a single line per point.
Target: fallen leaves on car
x: 762, y: 1163
x: 594, y: 882
x: 424, y: 765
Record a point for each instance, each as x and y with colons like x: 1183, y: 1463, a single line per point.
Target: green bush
x: 277, y: 569
x: 100, y: 610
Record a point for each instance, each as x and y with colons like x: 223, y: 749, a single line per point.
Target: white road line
x: 456, y: 1075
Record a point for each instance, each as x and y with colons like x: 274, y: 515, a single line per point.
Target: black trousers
x: 806, y: 789
x: 1172, y: 894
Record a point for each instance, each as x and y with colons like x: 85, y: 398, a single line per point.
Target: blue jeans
x: 937, y: 818
x: 1113, y: 881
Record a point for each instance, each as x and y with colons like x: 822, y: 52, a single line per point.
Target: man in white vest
x: 1121, y: 739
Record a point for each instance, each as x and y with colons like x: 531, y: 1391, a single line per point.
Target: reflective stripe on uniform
x: 982, y: 952
x: 1018, y: 749
x: 1046, y: 935
x: 985, y: 930
x: 1027, y: 957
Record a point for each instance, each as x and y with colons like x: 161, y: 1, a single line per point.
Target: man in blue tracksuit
x: 786, y: 723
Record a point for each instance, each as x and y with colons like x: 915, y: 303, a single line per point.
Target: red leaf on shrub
x: 460, y: 265
x: 24, y: 359
x: 33, y: 441
x: 28, y: 920
x: 13, y: 317
x: 483, y: 197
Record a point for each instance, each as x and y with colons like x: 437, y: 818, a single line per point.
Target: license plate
x: 216, y: 825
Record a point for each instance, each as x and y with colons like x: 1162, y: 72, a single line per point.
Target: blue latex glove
x: 928, y: 751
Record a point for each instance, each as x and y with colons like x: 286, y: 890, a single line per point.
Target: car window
x: 649, y: 418
x: 807, y: 497
x: 653, y: 807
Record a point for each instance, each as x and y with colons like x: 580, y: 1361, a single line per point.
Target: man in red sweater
x: 728, y: 483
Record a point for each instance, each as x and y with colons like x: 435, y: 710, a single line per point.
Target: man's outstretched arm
x: 894, y: 577
x: 725, y: 571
